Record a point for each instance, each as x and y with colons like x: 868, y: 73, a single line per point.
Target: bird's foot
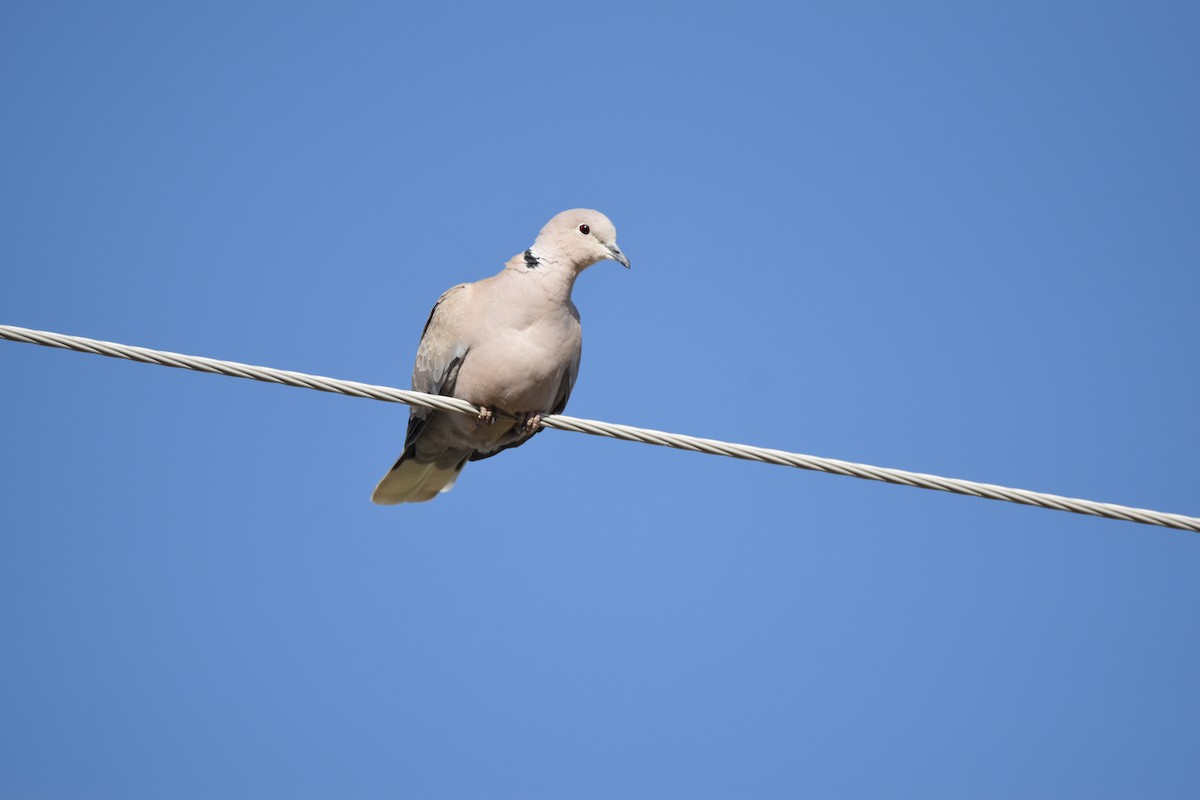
x: 529, y: 422
x: 486, y: 416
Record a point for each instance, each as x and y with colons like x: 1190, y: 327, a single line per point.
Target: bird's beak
x: 617, y: 255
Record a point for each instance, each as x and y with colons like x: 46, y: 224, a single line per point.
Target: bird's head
x: 580, y: 237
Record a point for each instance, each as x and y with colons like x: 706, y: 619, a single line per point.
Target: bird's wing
x: 439, y: 355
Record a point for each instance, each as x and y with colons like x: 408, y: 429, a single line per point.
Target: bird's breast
x: 520, y: 369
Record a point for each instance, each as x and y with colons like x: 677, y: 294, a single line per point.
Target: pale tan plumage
x: 507, y: 343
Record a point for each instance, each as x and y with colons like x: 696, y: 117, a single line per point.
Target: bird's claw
x: 529, y: 422
x: 486, y: 416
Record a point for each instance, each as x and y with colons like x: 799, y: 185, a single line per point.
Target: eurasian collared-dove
x: 507, y: 343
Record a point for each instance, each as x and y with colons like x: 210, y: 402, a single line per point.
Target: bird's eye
x: 585, y: 230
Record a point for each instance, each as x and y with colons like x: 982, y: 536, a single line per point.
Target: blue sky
x: 944, y: 237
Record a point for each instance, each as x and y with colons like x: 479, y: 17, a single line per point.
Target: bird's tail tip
x: 413, y: 482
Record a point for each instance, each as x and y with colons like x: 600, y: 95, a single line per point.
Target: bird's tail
x: 412, y: 481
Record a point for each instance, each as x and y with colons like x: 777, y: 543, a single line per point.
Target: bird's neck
x: 552, y: 275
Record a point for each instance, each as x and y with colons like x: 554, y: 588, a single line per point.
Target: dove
x: 509, y: 344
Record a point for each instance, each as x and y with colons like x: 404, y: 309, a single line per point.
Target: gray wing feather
x: 441, y: 350
x: 439, y: 357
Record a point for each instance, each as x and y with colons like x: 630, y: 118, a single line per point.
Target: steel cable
x: 609, y: 429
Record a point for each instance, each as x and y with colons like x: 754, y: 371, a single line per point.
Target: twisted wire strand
x: 609, y: 429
